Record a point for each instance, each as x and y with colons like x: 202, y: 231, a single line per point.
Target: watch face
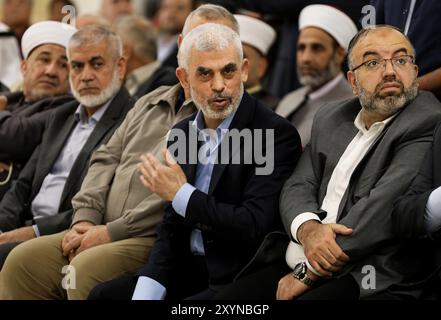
x: 299, y: 270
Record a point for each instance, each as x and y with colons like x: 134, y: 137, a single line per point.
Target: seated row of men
x: 202, y: 220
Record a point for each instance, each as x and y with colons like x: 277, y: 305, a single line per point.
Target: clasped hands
x: 163, y: 179
x: 323, y: 254
x: 83, y: 236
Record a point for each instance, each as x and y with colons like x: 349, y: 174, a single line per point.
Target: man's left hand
x: 164, y: 180
x: 291, y: 288
x: 17, y: 235
x: 93, y: 237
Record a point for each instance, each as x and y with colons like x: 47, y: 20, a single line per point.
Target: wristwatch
x: 300, y: 273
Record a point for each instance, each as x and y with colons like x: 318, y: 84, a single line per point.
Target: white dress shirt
x: 337, y: 185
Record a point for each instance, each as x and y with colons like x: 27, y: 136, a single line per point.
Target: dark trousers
x: 190, y: 283
x: 263, y: 286
x: 5, y: 249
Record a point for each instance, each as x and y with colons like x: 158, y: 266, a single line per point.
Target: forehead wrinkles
x: 213, y: 59
x: 383, y: 41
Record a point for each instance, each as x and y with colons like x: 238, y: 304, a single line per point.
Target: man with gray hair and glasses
x: 337, y: 206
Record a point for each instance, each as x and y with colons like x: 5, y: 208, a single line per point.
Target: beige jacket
x: 112, y: 192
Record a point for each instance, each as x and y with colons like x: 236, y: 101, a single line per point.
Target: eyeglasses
x: 400, y: 62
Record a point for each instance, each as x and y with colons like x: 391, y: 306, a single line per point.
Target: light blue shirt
x: 147, y: 288
x: 47, y: 201
x: 432, y: 218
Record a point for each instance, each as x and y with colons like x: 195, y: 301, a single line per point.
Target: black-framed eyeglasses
x: 400, y: 62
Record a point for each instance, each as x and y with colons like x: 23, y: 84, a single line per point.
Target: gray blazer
x: 384, y: 174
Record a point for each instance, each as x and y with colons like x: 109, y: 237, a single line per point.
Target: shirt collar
x: 325, y: 89
x: 199, y: 123
x: 81, y: 115
x: 359, y: 124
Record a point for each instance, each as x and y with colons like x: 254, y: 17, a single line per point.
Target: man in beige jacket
x: 114, y: 215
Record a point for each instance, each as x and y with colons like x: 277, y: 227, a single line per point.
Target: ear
x: 263, y: 66
x: 122, y: 67
x: 417, y: 71
x: 340, y: 55
x: 24, y: 67
x: 128, y: 52
x: 352, y: 82
x: 183, y: 78
x: 245, y: 69
x: 180, y: 39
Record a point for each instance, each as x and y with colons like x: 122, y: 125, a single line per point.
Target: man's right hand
x: 72, y: 239
x: 321, y: 249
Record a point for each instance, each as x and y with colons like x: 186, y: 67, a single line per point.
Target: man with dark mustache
x: 337, y: 206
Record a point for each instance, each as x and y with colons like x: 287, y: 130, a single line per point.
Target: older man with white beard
x: 39, y: 203
x: 325, y: 33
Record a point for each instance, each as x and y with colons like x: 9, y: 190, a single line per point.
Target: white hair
x: 210, y: 12
x: 208, y: 37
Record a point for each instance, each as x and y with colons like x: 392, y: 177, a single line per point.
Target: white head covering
x: 331, y: 20
x: 256, y: 33
x: 46, y: 32
x: 10, y: 58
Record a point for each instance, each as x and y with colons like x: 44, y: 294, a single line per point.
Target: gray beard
x: 324, y: 77
x: 96, y: 100
x: 211, y: 114
x: 389, y: 105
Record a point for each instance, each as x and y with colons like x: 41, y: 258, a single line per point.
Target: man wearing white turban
x: 257, y: 39
x: 23, y: 114
x: 325, y: 33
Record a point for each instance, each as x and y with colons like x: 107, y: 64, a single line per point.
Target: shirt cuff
x: 149, y: 289
x: 301, y: 219
x: 432, y: 218
x: 310, y: 268
x: 180, y: 202
x: 37, y: 232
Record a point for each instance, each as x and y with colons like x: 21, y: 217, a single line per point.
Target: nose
x: 87, y: 75
x: 389, y: 69
x: 305, y: 55
x: 52, y: 69
x: 218, y: 83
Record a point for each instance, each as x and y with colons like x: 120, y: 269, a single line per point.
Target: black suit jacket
x: 172, y: 59
x: 22, y: 125
x: 239, y: 210
x: 15, y: 208
x: 164, y: 76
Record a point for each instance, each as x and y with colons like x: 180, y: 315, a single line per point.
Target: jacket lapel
x: 188, y: 167
x: 298, y: 98
x: 112, y: 116
x: 62, y: 126
x: 243, y: 116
